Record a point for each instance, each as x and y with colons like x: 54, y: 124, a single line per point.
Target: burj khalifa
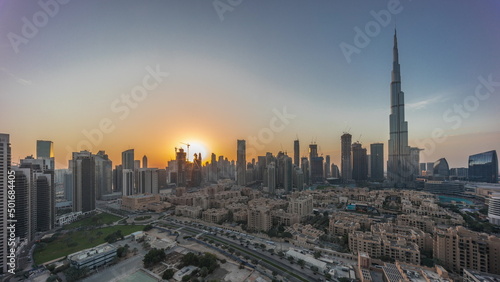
x: 398, y: 165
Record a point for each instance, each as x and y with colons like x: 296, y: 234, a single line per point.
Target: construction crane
x: 187, y: 144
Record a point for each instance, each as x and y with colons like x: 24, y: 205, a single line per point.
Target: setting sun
x: 194, y: 147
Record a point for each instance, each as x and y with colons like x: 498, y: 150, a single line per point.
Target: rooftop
x: 87, y: 253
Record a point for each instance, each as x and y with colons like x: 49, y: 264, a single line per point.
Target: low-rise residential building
x: 377, y: 246
x: 240, y: 216
x: 395, y: 232
x: 477, y: 276
x: 304, y: 234
x: 143, y: 202
x: 281, y: 217
x: 341, y: 227
x: 397, y: 272
x: 423, y: 223
x: 339, y: 222
x: 188, y: 211
x: 215, y: 215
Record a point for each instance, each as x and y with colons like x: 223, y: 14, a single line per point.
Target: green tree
x: 204, y: 271
x: 301, y: 262
x: 153, y: 257
x: 168, y: 274
x: 75, y: 274
x: 51, y: 267
x: 190, y: 259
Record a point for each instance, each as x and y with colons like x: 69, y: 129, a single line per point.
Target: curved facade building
x: 483, y: 167
x: 494, y: 209
x: 441, y: 169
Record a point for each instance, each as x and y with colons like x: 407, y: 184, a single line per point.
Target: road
x: 292, y: 272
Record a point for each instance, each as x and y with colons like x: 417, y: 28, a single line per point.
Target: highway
x: 274, y: 263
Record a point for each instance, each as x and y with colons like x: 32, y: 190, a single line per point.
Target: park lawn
x: 84, y: 239
x: 99, y: 219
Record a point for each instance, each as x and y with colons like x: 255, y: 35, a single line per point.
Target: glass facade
x: 483, y: 167
x: 441, y: 169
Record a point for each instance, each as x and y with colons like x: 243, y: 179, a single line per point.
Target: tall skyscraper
x: 128, y: 162
x: 4, y: 173
x: 377, y: 161
x: 45, y: 201
x: 271, y: 178
x: 316, y: 164
x: 326, y: 171
x: 414, y: 161
x: 304, y: 164
x: 180, y: 160
x: 483, y: 167
x: 118, y: 178
x: 41, y: 195
x: 144, y: 162
x: 84, y: 181
x: 288, y: 173
x: 45, y: 150
x: 148, y: 181
x: 335, y: 171
x: 68, y: 185
x: 298, y: 178
x: 22, y: 216
x: 296, y: 153
x: 398, y: 169
x: 241, y: 163
x: 128, y: 159
x: 313, y: 151
x: 345, y: 158
x: 103, y: 174
x: 128, y: 182
x: 359, y: 162
x: 213, y: 174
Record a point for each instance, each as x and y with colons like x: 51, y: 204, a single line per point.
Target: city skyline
x: 188, y: 53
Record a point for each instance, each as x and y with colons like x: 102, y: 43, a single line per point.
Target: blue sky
x: 226, y: 76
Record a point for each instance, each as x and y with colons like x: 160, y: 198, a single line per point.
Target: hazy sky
x: 66, y: 69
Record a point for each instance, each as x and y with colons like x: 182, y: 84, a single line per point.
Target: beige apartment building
x: 394, y: 232
x: 141, y: 202
x: 424, y: 223
x: 341, y: 227
x: 188, y: 211
x: 259, y: 218
x: 377, y: 246
x: 457, y: 248
x: 214, y: 215
x: 301, y: 205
